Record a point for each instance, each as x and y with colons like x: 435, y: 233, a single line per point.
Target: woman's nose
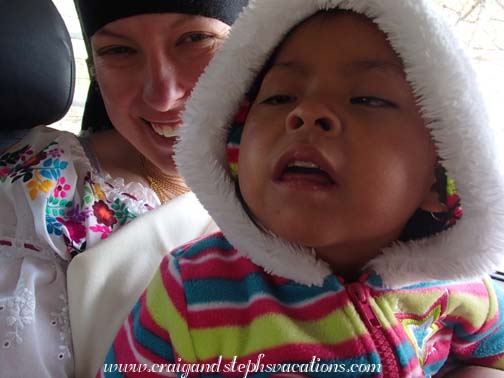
x: 311, y: 114
x: 163, y: 89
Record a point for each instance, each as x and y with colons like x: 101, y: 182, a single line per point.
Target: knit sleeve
x: 155, y: 335
x: 482, y: 343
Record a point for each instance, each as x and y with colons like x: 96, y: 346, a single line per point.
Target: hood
x: 444, y: 83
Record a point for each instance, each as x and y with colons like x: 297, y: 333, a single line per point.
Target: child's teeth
x: 303, y: 164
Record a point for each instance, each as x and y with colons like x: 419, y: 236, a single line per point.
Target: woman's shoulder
x: 42, y: 145
x: 72, y: 206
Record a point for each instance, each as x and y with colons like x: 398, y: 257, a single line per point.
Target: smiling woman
x: 61, y: 194
x: 145, y: 68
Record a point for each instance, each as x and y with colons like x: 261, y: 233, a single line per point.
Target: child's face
x: 336, y: 98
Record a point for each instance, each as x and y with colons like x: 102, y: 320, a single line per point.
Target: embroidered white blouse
x: 54, y: 204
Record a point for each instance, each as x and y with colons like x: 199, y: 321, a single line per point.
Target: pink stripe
x: 439, y: 347
x: 149, y: 323
x: 125, y: 350
x: 222, y: 269
x: 221, y: 316
x: 172, y: 286
x: 304, y: 352
x: 470, y: 328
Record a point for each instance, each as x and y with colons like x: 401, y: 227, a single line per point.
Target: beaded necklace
x: 166, y: 187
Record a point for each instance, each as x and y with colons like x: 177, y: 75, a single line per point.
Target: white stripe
x: 138, y: 356
x: 209, y: 257
x: 256, y: 298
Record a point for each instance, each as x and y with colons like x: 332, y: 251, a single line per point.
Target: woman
x: 60, y: 195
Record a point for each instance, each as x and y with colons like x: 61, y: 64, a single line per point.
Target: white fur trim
x: 443, y: 81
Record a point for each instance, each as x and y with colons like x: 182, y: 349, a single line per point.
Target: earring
x: 433, y: 216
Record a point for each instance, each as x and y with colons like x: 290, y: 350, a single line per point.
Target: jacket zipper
x: 390, y: 368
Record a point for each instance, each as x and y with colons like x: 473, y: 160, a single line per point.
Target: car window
x: 72, y: 120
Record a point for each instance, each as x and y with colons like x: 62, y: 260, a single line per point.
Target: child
x: 344, y: 251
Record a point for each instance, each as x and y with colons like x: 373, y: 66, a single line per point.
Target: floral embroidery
x: 55, y: 209
x: 4, y: 172
x: 103, y: 214
x: 25, y: 162
x: 37, y: 184
x: 21, y: 312
x: 77, y: 214
x: 88, y: 195
x: 11, y: 158
x: 53, y: 226
x: 61, y: 188
x: 104, y: 230
x: 98, y: 191
x: 55, y: 152
x: 122, y: 213
x: 75, y: 231
x: 98, y: 208
x: 62, y: 321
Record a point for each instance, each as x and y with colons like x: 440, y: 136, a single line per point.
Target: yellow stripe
x: 493, y: 309
x: 383, y: 311
x: 165, y: 314
x: 499, y: 364
x: 413, y: 302
x: 273, y: 330
x: 473, y: 309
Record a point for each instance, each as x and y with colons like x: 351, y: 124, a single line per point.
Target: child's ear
x: 431, y: 202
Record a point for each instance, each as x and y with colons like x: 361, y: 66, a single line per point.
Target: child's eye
x: 116, y: 50
x: 279, y: 100
x: 373, y: 102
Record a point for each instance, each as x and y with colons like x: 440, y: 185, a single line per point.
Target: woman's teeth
x: 166, y: 131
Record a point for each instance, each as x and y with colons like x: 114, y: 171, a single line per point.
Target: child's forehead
x: 342, y: 36
x: 348, y: 69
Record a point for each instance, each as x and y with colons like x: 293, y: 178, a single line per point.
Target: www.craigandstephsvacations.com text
x: 243, y: 369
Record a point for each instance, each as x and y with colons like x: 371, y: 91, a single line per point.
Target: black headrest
x: 37, y: 69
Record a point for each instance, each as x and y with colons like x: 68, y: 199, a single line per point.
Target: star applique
x: 421, y: 327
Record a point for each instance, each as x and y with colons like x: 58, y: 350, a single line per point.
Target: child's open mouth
x: 304, y: 168
x: 306, y: 171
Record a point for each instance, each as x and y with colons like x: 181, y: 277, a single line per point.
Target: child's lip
x: 303, y: 152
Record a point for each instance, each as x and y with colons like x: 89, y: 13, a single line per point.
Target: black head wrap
x: 94, y: 14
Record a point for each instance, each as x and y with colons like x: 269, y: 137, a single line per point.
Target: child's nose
x: 316, y: 115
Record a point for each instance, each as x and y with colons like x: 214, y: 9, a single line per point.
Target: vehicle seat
x: 37, y: 69
x: 95, y: 116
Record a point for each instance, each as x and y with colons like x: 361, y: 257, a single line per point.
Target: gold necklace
x: 165, y: 186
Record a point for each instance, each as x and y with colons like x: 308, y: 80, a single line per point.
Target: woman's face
x: 146, y: 67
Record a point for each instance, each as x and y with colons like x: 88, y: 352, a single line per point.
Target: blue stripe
x: 149, y: 340
x: 494, y: 343
x: 217, y: 241
x: 111, y: 361
x: 432, y: 369
x: 426, y: 285
x: 405, y: 353
x: 208, y: 290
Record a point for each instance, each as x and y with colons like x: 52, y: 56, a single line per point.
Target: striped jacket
x: 209, y: 309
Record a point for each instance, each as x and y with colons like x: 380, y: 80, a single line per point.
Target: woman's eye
x: 374, y: 102
x: 116, y: 50
x: 278, y: 100
x: 195, y: 37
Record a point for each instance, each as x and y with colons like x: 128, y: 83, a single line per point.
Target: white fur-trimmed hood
x: 443, y: 81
